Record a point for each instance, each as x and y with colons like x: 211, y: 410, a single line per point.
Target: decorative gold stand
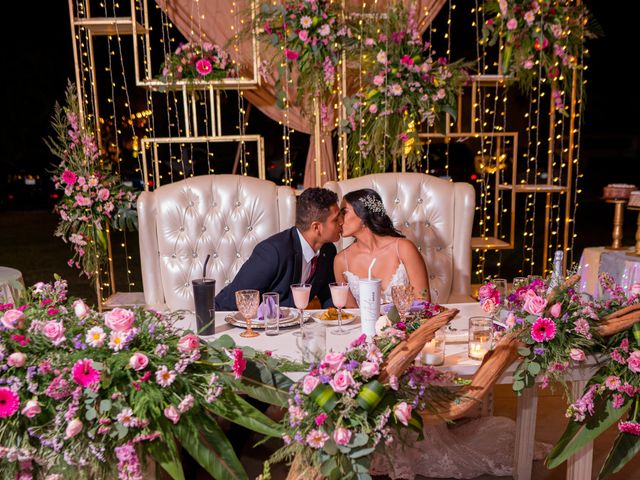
x: 618, y: 219
x: 637, y: 252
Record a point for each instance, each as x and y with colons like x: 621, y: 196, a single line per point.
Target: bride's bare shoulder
x: 407, y: 248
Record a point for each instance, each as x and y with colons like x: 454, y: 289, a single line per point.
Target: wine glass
x: 501, y: 286
x: 300, y: 293
x: 248, y: 302
x: 339, y: 295
x: 402, y: 296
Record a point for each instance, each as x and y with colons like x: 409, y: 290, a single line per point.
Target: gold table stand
x: 637, y: 252
x: 618, y: 219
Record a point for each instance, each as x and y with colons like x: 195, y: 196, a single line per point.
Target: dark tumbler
x: 204, y: 294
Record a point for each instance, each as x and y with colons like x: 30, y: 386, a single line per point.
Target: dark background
x: 37, y: 65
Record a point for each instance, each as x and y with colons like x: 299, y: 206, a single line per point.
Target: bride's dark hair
x: 368, y: 206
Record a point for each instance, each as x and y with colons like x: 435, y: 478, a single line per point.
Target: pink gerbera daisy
x: 84, y: 374
x: 9, y: 402
x: 203, y: 66
x: 543, y: 329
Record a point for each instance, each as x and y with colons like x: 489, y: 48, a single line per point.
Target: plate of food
x: 288, y: 318
x: 329, y: 317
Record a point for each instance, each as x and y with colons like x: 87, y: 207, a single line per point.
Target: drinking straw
x: 204, y: 268
x: 371, y: 266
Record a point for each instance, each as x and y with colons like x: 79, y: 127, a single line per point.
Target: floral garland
x: 82, y: 391
x: 406, y: 87
x: 93, y: 197
x: 341, y: 412
x: 540, y: 38
x: 309, y: 36
x: 192, y: 61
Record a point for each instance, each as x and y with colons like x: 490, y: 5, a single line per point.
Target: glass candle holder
x: 480, y: 336
x: 433, y: 351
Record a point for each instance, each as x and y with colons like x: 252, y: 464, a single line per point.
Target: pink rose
x: 634, y: 361
x: 172, y: 414
x: 188, y: 343
x: 402, y: 412
x: 80, y: 309
x: 138, y: 361
x: 512, y: 24
x: 309, y: 384
x: 342, y: 436
x: 103, y: 194
x: 334, y: 361
x: 556, y: 309
x: 534, y: 304
x: 369, y: 369
x: 17, y: 359
x: 13, y: 319
x: 634, y: 290
x: 74, y: 427
x: 489, y: 305
x: 31, y: 409
x: 341, y: 381
x: 54, y: 331
x: 577, y: 355
x: 119, y: 319
x: 511, y: 320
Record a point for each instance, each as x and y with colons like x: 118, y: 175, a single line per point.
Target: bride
x: 398, y: 261
x: 478, y: 446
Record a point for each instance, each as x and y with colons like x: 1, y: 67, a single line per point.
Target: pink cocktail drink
x: 339, y: 297
x: 300, y: 292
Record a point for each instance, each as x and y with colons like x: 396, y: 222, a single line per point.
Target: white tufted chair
x: 437, y: 215
x: 222, y: 215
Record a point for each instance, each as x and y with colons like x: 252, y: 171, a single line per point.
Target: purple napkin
x: 416, y: 306
x: 268, y: 306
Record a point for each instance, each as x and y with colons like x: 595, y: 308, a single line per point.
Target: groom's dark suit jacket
x: 274, y: 265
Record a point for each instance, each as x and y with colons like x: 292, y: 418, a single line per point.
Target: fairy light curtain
x: 216, y: 17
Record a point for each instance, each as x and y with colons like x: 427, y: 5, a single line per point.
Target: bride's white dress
x: 400, y: 277
x: 482, y: 446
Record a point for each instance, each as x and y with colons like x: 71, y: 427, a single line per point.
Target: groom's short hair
x: 313, y: 205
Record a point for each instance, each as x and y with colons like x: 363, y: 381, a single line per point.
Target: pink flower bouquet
x: 191, y: 61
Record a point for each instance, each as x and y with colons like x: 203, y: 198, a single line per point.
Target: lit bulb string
x: 361, y: 107
x: 447, y: 157
x: 556, y: 180
x: 580, y: 82
x: 209, y: 123
x: 286, y: 127
x: 240, y: 95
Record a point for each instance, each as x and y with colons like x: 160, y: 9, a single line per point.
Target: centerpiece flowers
x: 405, y: 88
x: 308, y: 37
x: 93, y: 197
x: 556, y: 328
x: 349, y: 404
x: 197, y: 62
x: 540, y: 39
x: 92, y: 394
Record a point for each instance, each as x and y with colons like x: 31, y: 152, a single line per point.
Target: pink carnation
x: 69, y: 177
x: 629, y: 427
x: 239, y: 363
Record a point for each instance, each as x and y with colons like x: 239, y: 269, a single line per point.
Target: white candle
x: 477, y: 350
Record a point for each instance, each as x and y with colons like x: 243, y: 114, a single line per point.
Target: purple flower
x: 538, y: 351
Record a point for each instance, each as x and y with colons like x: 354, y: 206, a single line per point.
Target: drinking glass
x: 339, y: 295
x: 519, y: 282
x: 300, y: 292
x: 402, y: 296
x: 271, y: 301
x: 501, y: 286
x: 248, y: 302
x: 480, y: 336
x: 312, y: 342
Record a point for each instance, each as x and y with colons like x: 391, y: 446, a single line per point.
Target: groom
x: 301, y: 254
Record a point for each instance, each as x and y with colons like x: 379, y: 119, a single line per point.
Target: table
x: 620, y: 264
x: 11, y: 285
x: 456, y: 360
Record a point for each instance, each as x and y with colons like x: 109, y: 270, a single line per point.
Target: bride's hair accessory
x: 374, y: 205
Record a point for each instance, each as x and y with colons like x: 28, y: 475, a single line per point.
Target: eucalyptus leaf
x: 105, y: 405
x: 524, y: 351
x: 363, y: 452
x: 91, y: 414
x: 328, y: 466
x: 534, y: 368
x: 224, y: 341
x: 518, y: 385
x: 360, y: 440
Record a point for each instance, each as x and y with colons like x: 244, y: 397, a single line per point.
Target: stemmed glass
x: 301, y: 293
x: 339, y: 295
x: 402, y: 296
x: 501, y: 286
x: 248, y: 302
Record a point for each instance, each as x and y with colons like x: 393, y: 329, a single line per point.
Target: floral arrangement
x: 93, y: 197
x: 346, y: 406
x: 406, y: 87
x: 612, y: 392
x: 89, y: 393
x: 557, y: 328
x: 309, y: 36
x: 192, y: 61
x: 540, y: 39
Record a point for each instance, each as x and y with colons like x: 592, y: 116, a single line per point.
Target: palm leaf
x: 624, y: 449
x: 237, y: 410
x: 166, y: 454
x: 209, y: 446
